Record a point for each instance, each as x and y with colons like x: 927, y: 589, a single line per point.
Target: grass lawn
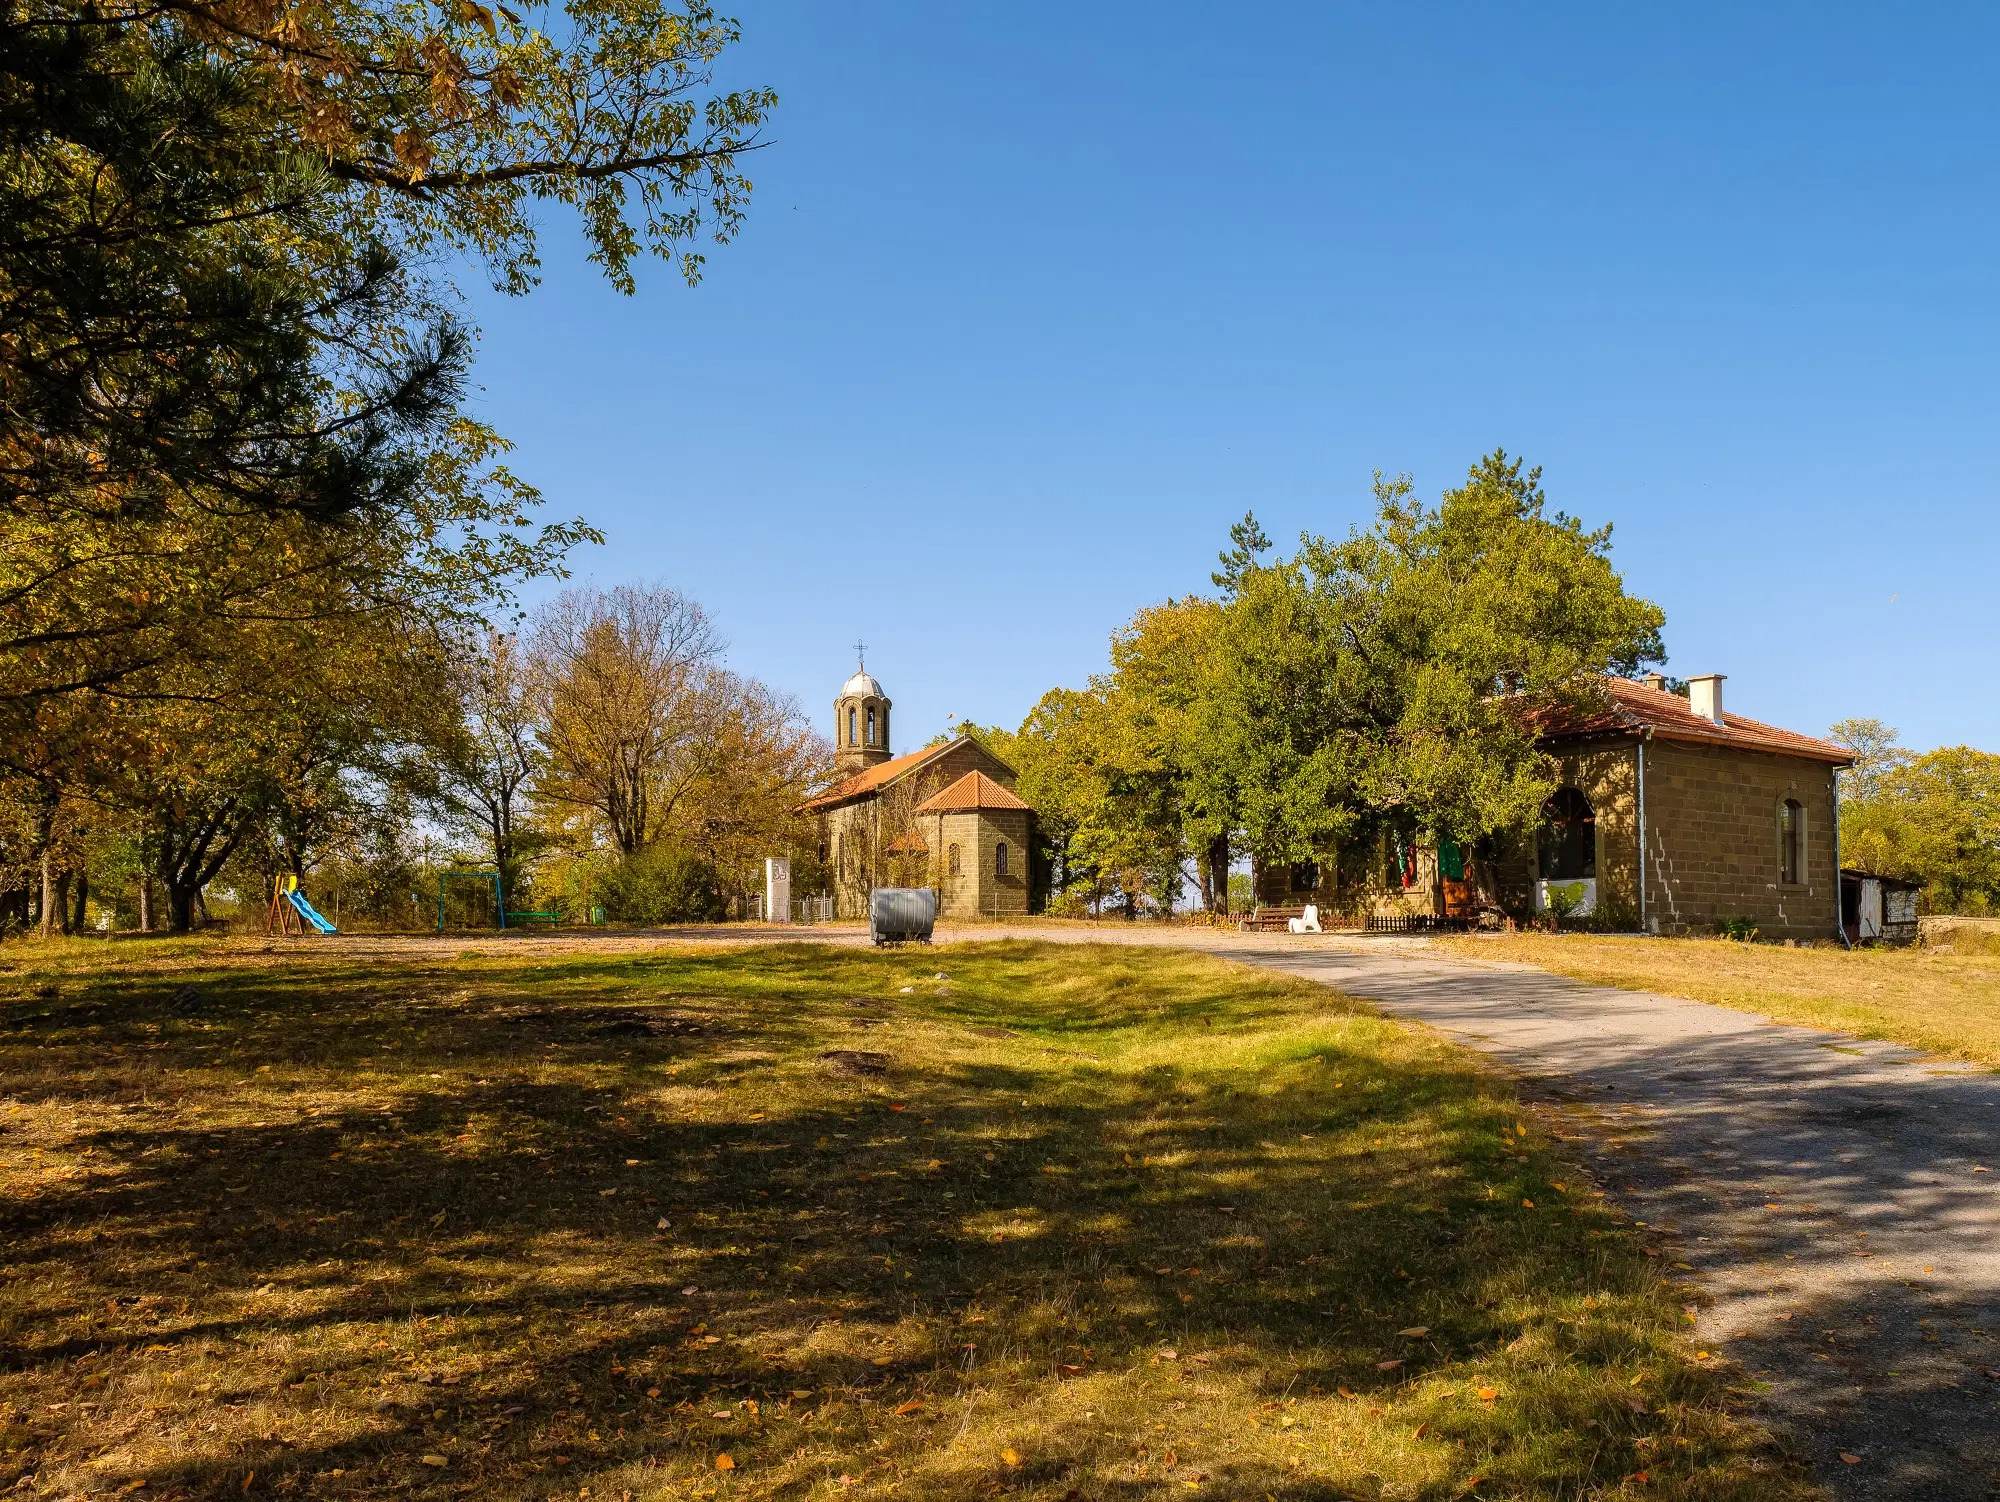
x: 333, y: 1220
x: 1948, y: 1003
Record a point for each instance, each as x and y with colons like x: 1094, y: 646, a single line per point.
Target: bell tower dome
x: 860, y: 721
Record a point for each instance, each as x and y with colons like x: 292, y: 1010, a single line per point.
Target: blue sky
x: 1036, y: 299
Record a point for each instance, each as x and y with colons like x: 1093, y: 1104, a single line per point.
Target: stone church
x: 945, y: 817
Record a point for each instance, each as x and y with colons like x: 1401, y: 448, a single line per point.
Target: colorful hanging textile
x: 1451, y: 860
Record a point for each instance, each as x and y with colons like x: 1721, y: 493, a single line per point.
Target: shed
x: 1877, y: 909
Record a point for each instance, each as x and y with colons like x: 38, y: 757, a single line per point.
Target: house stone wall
x: 1713, y: 845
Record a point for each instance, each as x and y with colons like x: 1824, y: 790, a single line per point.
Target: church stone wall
x: 854, y: 834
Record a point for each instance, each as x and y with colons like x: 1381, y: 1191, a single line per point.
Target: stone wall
x: 853, y: 834
x: 1714, y: 847
x: 979, y: 890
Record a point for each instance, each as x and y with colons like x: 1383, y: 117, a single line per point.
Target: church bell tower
x: 860, y: 721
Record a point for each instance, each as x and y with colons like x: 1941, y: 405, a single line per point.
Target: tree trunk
x: 55, y: 898
x: 146, y: 904
x: 1216, y: 898
x: 82, y: 901
x: 180, y: 905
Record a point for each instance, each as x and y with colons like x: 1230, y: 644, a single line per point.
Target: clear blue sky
x: 1035, y: 299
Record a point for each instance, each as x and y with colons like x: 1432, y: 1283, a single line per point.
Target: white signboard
x: 777, y: 889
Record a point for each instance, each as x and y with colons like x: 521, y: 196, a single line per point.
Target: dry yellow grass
x: 332, y: 1221
x: 1948, y: 1003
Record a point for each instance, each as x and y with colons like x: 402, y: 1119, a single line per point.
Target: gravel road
x: 1831, y: 1198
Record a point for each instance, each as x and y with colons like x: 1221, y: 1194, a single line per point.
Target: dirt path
x: 1830, y: 1198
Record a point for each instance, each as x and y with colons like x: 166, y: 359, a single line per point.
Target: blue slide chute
x: 308, y: 912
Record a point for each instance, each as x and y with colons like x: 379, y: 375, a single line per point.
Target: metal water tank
x: 897, y: 915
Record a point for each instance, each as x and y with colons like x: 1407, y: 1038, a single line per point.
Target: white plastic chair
x: 1309, y: 924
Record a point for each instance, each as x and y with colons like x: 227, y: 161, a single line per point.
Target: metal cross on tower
x: 861, y: 652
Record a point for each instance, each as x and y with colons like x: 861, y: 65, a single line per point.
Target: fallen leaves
x: 1850, y: 1459
x: 915, y: 1405
x: 1011, y: 1458
x: 1415, y: 1332
x: 436, y: 1460
x: 1487, y: 1394
x: 725, y: 1461
x: 1387, y: 1366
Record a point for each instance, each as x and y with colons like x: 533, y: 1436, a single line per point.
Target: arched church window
x: 1568, y: 837
x: 871, y: 727
x: 850, y: 726
x: 951, y: 860
x: 1000, y: 859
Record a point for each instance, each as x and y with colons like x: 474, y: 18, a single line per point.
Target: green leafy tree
x: 1876, y: 755
x: 1243, y: 556
x: 1399, y: 676
x: 1392, y: 680
x: 1934, y: 819
x: 223, y: 229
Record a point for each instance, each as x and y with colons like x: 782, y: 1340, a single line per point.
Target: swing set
x: 551, y: 917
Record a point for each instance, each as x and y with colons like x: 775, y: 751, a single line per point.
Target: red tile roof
x: 1634, y: 707
x: 973, y: 790
x: 880, y: 775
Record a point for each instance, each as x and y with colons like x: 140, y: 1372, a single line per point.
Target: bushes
x: 663, y: 885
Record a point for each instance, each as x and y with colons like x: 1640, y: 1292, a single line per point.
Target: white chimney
x: 1705, y: 696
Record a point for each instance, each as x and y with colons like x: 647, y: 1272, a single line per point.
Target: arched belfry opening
x: 860, y: 720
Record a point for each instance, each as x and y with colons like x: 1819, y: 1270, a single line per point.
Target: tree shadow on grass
x: 520, y: 1255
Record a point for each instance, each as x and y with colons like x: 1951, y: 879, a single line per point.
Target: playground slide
x: 308, y: 912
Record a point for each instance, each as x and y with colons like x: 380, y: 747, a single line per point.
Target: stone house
x: 1669, y: 815
x: 944, y: 817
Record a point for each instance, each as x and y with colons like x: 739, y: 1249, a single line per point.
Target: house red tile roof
x: 878, y: 776
x: 972, y: 791
x: 1634, y: 707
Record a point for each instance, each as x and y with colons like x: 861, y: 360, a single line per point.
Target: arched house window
x: 1791, y: 842
x: 1568, y: 844
x: 951, y: 861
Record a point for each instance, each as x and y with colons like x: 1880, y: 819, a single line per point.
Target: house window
x: 951, y: 860
x: 1000, y: 859
x: 1305, y: 876
x: 1569, y: 837
x: 1791, y: 842
x: 1401, y: 867
x: 850, y: 726
x: 871, y: 726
